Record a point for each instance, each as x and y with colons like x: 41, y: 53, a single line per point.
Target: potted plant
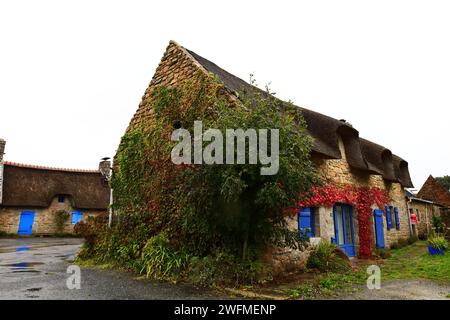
x: 437, y: 245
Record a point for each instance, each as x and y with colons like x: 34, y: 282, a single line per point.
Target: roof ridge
x: 33, y: 166
x: 189, y: 55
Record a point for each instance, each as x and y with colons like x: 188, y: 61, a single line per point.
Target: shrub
x: 92, y: 230
x: 394, y: 246
x: 382, y: 253
x: 438, y: 242
x: 224, y: 268
x: 423, y: 236
x: 412, y: 239
x: 159, y: 260
x: 61, y: 217
x: 328, y: 257
x: 402, y: 243
x: 438, y: 225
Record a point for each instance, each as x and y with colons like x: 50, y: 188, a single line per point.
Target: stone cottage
x: 421, y: 213
x: 43, y: 200
x: 341, y: 157
x: 433, y: 191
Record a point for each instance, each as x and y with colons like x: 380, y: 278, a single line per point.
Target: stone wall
x: 175, y: 67
x: 44, y: 218
x: 339, y: 173
x: 425, y: 216
x: 286, y: 260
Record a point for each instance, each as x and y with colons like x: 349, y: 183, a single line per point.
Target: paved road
x: 36, y: 268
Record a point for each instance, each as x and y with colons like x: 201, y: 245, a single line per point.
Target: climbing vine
x: 362, y: 198
x: 208, y: 212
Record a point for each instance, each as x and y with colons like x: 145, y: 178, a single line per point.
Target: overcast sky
x: 72, y: 73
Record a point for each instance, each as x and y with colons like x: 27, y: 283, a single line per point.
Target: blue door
x: 306, y: 223
x: 343, y: 228
x: 379, y: 230
x: 26, y: 222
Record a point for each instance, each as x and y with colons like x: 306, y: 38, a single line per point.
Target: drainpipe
x: 409, y: 217
x: 426, y: 217
x: 110, y: 208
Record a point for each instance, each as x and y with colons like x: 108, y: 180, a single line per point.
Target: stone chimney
x: 105, y: 168
x: 2, y: 149
x: 2, y: 152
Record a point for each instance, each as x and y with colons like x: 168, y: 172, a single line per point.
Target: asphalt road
x: 36, y: 268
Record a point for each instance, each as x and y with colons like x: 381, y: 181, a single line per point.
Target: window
x: 306, y: 222
x: 61, y: 199
x: 77, y: 216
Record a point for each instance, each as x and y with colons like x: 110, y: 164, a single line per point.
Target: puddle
x: 22, y: 264
x: 26, y: 271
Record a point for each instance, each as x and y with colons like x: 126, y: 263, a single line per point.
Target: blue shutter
x: 397, y: 220
x: 305, y: 223
x: 388, y: 218
x: 379, y: 231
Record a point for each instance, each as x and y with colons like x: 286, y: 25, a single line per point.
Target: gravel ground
x: 404, y: 290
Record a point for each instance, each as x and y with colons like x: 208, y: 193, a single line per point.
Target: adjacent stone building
x: 43, y: 200
x: 341, y: 157
x: 421, y: 213
x: 435, y: 192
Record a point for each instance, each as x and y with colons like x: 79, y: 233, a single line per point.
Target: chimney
x: 2, y: 152
x: 2, y: 149
x: 105, y: 168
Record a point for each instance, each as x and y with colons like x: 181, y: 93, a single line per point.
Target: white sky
x: 72, y: 73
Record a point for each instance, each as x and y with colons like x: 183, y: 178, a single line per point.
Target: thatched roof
x: 35, y: 186
x: 434, y: 191
x: 360, y: 153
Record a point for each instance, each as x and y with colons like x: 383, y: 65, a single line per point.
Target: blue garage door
x: 26, y: 222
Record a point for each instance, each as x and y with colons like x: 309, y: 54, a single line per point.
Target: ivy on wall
x: 362, y: 198
x: 217, y: 214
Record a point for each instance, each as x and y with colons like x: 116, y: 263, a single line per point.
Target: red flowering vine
x: 360, y: 198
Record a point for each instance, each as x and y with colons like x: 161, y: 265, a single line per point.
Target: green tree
x: 444, y: 181
x: 218, y: 210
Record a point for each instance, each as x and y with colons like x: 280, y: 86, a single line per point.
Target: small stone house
x: 340, y: 155
x: 433, y: 191
x: 421, y: 213
x: 32, y: 197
